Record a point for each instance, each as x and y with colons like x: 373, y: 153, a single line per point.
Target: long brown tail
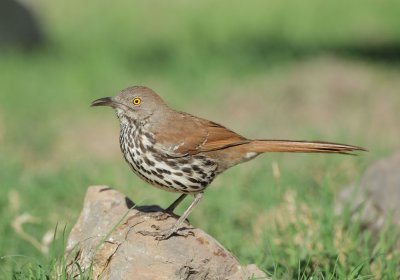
x: 261, y: 146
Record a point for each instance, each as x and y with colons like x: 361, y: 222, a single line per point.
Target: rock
x: 377, y: 196
x: 18, y: 26
x: 106, y: 241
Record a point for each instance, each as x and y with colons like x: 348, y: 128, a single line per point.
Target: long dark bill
x: 105, y: 101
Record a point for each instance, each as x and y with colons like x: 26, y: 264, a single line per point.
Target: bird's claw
x: 159, y: 216
x: 162, y: 216
x: 165, y: 234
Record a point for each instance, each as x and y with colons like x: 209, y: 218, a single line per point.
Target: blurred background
x: 315, y: 70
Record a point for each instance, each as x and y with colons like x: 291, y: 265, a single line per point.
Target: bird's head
x: 136, y: 103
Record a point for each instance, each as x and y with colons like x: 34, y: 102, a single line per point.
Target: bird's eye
x: 136, y: 101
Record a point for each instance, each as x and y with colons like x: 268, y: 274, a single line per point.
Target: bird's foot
x: 164, y: 215
x: 165, y: 234
x: 157, y: 215
x: 160, y: 216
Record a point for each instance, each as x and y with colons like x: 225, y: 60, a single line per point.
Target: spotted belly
x: 189, y: 174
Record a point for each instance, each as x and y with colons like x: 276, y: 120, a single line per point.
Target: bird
x: 179, y: 152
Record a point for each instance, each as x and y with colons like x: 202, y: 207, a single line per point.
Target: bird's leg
x: 165, y: 214
x: 174, y: 204
x: 160, y: 216
x: 165, y: 234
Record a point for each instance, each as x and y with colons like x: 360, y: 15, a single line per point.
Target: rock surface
x: 18, y: 26
x: 106, y: 241
x: 377, y: 197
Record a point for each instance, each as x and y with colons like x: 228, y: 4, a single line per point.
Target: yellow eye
x: 136, y: 101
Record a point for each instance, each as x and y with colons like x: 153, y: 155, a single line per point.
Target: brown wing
x: 189, y: 135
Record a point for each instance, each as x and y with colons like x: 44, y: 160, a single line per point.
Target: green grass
x: 260, y: 69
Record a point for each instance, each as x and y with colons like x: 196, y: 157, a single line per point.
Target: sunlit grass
x: 220, y: 63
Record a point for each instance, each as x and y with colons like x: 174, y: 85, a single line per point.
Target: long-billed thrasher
x: 178, y: 152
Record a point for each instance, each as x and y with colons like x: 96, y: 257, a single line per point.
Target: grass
x: 265, y: 64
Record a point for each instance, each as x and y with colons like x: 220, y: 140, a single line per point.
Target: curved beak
x: 105, y: 101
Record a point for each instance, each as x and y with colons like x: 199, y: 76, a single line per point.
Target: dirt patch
x: 94, y: 138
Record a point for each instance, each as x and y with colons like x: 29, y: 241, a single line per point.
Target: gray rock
x: 106, y: 241
x: 18, y: 26
x: 377, y: 197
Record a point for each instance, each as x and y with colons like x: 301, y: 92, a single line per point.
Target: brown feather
x: 262, y: 146
x: 191, y: 135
